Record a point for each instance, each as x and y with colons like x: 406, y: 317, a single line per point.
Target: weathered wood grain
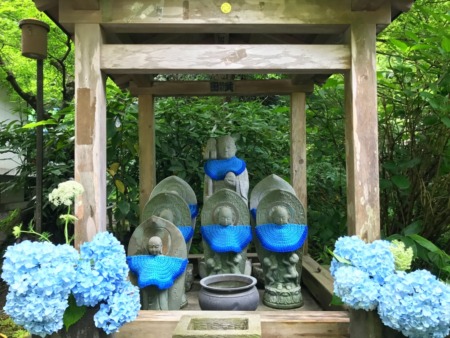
x: 90, y: 133
x: 141, y: 59
x: 306, y: 324
x: 239, y: 88
x: 147, y: 149
x: 298, y: 149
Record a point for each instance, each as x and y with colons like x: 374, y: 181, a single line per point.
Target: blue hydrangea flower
x: 375, y: 258
x: 102, y: 268
x: 347, y: 247
x: 121, y: 307
x: 40, y: 276
x: 417, y: 304
x: 356, y: 288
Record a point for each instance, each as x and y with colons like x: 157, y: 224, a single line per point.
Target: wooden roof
x: 175, y: 31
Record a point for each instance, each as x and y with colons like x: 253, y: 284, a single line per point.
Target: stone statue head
x: 155, y: 246
x: 167, y: 214
x: 279, y: 215
x: 224, y: 215
x: 226, y: 147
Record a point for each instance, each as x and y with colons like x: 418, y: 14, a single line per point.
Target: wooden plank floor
x: 308, y: 321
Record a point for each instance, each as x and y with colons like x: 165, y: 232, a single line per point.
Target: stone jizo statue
x: 280, y: 234
x: 157, y: 258
x: 226, y: 233
x: 223, y: 169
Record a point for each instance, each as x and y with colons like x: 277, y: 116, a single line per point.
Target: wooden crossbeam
x: 311, y: 324
x: 225, y: 59
x: 367, y: 5
x: 229, y: 88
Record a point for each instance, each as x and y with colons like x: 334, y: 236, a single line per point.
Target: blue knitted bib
x: 217, y: 169
x: 187, y: 231
x: 253, y: 213
x: 230, y: 238
x: 160, y: 271
x: 281, y: 238
x: 193, y: 208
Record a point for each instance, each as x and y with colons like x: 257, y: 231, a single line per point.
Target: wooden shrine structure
x: 307, y: 40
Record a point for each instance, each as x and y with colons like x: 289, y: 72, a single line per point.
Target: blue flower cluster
x: 41, y: 277
x: 101, y: 270
x: 361, y: 270
x: 416, y: 303
x: 122, y: 307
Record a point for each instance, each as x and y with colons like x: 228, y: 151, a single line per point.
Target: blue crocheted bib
x: 187, y: 231
x: 160, y: 271
x: 194, y: 210
x: 281, y: 238
x: 253, y: 213
x: 230, y: 238
x: 217, y: 169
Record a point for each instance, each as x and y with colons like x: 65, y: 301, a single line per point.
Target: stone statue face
x: 167, y: 214
x: 154, y: 246
x: 225, y: 216
x: 226, y: 148
x: 280, y: 215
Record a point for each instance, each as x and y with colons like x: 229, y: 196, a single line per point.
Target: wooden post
x: 298, y: 149
x: 147, y: 149
x: 90, y: 133
x: 363, y: 203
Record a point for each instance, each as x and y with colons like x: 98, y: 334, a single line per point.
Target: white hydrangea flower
x: 65, y: 193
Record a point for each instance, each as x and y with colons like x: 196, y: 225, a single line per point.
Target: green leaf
x: 119, y: 185
x: 335, y: 300
x: 414, y: 228
x: 32, y: 125
x: 399, y: 44
x: 445, y: 44
x: 446, y: 120
x: 73, y: 313
x: 124, y: 207
x: 422, y: 241
x: 401, y: 182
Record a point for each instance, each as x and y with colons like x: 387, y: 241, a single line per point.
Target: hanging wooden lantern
x: 34, y: 38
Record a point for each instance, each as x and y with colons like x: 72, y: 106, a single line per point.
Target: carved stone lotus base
x: 282, y: 297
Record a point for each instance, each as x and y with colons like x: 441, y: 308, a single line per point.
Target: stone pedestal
x: 218, y: 325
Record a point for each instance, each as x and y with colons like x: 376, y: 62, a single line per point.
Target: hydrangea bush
x: 368, y: 277
x: 42, y: 276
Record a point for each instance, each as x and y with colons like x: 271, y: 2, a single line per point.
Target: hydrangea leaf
x: 73, y: 313
x: 336, y: 300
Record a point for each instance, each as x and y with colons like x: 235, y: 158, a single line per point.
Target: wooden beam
x: 245, y: 13
x: 402, y: 5
x: 220, y: 88
x: 363, y: 201
x: 318, y: 281
x: 307, y: 324
x: 147, y: 149
x: 90, y: 133
x: 367, y: 5
x: 298, y: 150
x: 45, y: 5
x: 225, y: 59
x: 85, y: 4
x: 68, y: 14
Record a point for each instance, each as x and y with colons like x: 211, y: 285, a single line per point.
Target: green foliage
x: 73, y: 313
x: 414, y: 86
x: 428, y: 255
x: 10, y: 329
